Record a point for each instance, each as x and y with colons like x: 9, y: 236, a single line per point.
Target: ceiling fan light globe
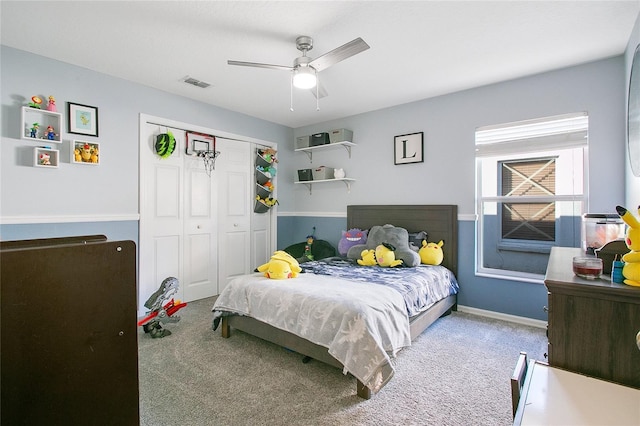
x: 304, y: 78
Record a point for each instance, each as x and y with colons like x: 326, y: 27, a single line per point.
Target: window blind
x: 566, y: 131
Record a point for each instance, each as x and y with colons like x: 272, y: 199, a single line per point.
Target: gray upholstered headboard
x: 440, y: 221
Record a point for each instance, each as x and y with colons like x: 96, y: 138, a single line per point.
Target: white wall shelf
x: 346, y: 181
x: 309, y: 150
x: 46, y: 157
x: 44, y: 119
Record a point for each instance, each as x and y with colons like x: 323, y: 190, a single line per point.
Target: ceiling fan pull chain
x: 291, y: 94
x: 317, y: 95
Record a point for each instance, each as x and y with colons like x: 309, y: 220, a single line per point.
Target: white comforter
x: 362, y: 325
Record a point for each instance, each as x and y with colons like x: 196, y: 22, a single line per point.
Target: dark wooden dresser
x: 68, y: 332
x: 592, y: 323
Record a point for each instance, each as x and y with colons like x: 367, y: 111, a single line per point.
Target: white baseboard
x: 504, y: 317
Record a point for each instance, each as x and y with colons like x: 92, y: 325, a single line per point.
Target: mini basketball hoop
x: 209, y: 158
x: 203, y: 146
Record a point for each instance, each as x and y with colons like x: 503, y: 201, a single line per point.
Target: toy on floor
x: 159, y: 313
x: 631, y: 268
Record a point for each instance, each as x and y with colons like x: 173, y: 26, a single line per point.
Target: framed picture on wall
x: 82, y: 119
x: 408, y: 148
x: 83, y: 152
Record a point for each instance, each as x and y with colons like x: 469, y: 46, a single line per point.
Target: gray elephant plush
x: 397, y: 237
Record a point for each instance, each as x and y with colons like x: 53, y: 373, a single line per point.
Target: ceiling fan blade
x: 322, y: 92
x: 258, y: 65
x: 339, y: 54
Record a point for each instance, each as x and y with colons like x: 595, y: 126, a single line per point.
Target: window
x: 530, y: 193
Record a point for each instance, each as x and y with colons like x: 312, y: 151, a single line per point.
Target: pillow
x: 396, y: 236
x: 320, y: 249
x: 416, y: 238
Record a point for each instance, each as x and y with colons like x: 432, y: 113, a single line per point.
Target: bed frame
x: 439, y: 221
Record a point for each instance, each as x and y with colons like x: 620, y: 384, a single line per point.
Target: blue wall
x: 447, y: 175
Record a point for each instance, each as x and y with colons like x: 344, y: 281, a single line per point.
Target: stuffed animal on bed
x: 281, y: 266
x: 386, y: 256
x: 431, y: 253
x: 396, y: 236
x: 368, y: 258
x: 350, y: 238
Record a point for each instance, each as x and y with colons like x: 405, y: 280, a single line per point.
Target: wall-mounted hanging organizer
x: 265, y: 173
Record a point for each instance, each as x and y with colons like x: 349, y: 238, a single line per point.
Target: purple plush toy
x: 350, y: 238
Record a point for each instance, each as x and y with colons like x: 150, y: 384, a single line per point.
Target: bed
x: 380, y: 310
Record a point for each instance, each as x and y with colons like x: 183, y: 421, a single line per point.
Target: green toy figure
x: 307, y: 247
x: 34, y: 130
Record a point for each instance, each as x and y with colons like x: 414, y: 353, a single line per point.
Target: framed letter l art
x: 409, y: 148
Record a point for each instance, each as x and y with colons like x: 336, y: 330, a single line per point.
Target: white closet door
x: 200, y: 231
x: 235, y: 206
x: 161, y: 215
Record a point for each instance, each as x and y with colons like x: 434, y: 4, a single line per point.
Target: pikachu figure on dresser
x: 631, y: 268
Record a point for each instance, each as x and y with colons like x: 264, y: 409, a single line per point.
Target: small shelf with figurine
x: 46, y: 157
x: 41, y: 124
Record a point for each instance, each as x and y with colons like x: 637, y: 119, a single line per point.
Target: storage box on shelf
x: 323, y: 140
x: 38, y: 124
x: 322, y: 173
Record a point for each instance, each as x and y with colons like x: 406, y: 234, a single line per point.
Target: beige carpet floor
x: 456, y: 373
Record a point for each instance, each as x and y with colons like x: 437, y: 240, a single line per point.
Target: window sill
x: 523, y: 247
x: 526, y: 278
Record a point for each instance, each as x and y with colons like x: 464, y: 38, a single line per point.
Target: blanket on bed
x: 421, y: 286
x: 362, y: 325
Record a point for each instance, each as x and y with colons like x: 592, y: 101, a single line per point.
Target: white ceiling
x: 419, y: 49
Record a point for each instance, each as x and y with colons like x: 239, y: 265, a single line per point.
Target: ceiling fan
x: 304, y: 72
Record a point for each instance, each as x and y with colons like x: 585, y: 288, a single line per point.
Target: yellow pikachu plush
x: 431, y: 253
x: 368, y: 258
x: 631, y: 268
x: 281, y: 266
x: 386, y: 256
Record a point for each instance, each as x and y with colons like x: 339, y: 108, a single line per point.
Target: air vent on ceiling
x: 196, y: 82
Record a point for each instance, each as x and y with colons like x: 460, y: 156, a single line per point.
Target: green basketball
x: 165, y: 144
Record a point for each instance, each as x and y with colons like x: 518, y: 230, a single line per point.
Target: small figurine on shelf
x: 94, y: 155
x: 51, y: 106
x: 45, y: 159
x: 34, y: 130
x: 85, y: 153
x: 36, y: 102
x: 51, y: 135
x: 76, y: 156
